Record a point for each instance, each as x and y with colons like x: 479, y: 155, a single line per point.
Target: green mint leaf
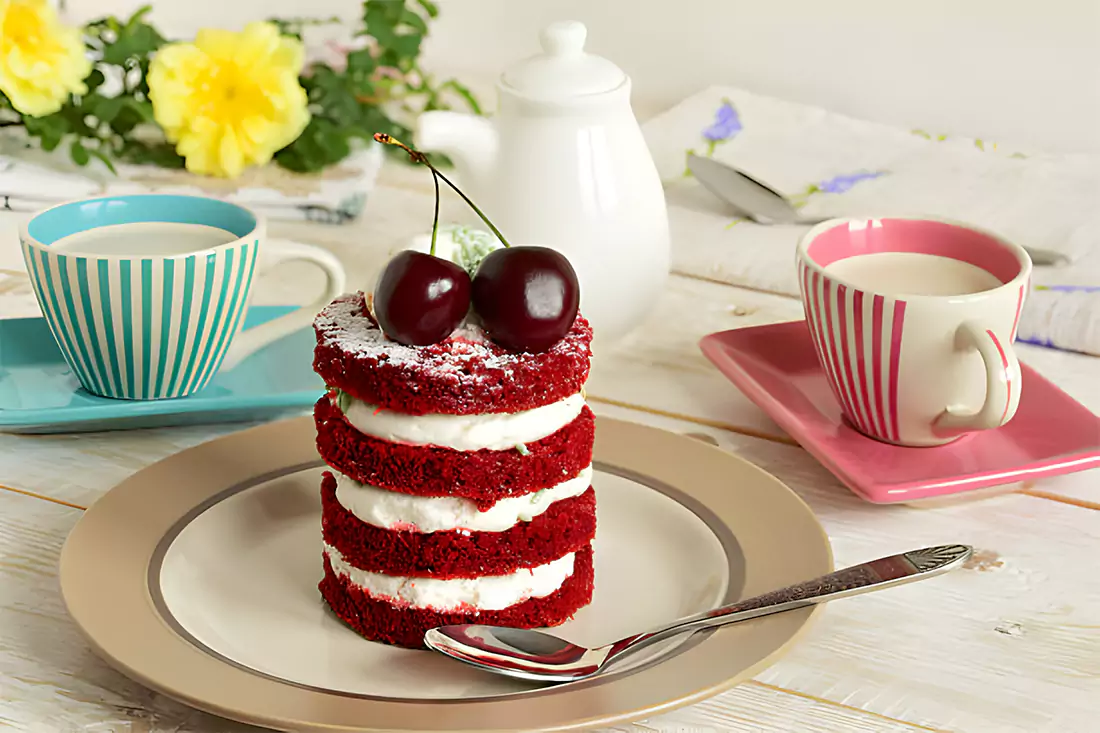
x: 470, y: 246
x: 343, y: 399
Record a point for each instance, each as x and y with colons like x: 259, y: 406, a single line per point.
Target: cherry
x: 526, y: 297
x: 420, y: 299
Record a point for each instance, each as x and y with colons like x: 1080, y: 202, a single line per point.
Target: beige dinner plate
x: 198, y: 577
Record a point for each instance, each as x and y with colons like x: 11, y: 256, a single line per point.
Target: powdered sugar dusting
x: 466, y: 360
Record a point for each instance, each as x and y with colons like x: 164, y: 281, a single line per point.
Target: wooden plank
x: 53, y: 681
x: 1009, y: 644
x: 80, y: 467
x: 660, y: 365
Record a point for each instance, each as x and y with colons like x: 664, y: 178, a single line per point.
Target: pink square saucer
x: 775, y: 366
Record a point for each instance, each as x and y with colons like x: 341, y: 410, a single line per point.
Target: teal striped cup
x: 145, y: 294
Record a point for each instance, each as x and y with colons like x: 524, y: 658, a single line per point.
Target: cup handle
x: 277, y: 252
x: 1002, y: 383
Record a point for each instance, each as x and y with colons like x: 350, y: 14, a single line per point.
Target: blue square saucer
x: 40, y: 394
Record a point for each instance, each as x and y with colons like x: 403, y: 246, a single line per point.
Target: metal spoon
x: 536, y: 655
x: 764, y: 205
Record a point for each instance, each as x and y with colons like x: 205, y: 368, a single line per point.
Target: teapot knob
x: 564, y: 38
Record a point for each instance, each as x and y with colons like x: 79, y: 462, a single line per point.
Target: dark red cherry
x: 421, y: 299
x: 526, y: 297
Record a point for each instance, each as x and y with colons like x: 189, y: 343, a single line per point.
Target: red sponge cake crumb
x: 463, y: 392
x: 566, y: 526
x: 379, y: 620
x: 465, y: 374
x: 483, y: 476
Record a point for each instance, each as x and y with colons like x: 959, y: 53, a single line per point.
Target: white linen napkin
x: 31, y: 180
x: 832, y: 165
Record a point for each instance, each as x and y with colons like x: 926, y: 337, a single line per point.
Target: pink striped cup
x: 913, y: 321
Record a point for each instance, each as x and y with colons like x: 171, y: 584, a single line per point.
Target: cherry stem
x: 435, y: 219
x: 418, y: 157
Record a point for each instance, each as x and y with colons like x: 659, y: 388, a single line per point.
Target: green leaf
x: 412, y: 19
x: 464, y: 92
x: 161, y: 154
x: 49, y: 130
x: 79, y: 153
x: 94, y: 80
x: 108, y: 108
x: 103, y: 159
x: 138, y: 15
x: 135, y: 40
x: 346, y: 105
x: 361, y: 61
x: 127, y: 119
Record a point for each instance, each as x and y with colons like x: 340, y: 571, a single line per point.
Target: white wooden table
x: 1011, y: 643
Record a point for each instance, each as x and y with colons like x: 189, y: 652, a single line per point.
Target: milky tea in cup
x: 146, y: 294
x: 913, y: 322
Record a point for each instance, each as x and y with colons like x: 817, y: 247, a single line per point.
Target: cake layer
x: 483, y: 593
x: 380, y: 620
x: 488, y: 431
x: 484, y: 476
x: 567, y: 526
x: 466, y: 374
x: 398, y: 511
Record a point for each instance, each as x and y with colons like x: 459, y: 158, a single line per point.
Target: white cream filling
x: 394, y: 510
x: 492, y: 431
x: 487, y: 593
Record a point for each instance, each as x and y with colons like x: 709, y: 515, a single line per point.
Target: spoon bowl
x: 536, y: 655
x: 758, y: 202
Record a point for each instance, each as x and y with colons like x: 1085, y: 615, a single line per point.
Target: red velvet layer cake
x: 567, y: 526
x: 460, y: 484
x: 465, y: 375
x: 483, y: 476
x: 380, y: 619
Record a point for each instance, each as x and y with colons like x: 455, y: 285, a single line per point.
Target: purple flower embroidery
x: 726, y: 123
x: 842, y: 183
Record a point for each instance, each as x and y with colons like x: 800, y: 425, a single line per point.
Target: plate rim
x: 714, y: 346
x: 103, y: 567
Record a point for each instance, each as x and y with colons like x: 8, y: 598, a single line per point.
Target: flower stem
x: 435, y: 219
x: 418, y: 157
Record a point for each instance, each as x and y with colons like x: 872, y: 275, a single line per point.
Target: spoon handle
x: 875, y: 575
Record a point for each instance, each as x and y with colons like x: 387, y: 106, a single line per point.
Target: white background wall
x: 1020, y: 71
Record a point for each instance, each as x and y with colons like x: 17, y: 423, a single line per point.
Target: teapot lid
x: 563, y: 70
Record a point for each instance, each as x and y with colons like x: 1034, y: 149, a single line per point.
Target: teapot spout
x: 468, y: 140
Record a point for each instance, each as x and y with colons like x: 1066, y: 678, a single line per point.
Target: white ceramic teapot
x: 564, y: 165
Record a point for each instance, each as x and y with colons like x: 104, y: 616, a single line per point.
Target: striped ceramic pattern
x: 148, y: 328
x: 858, y: 336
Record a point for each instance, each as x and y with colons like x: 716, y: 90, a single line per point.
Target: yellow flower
x: 229, y: 100
x: 41, y: 61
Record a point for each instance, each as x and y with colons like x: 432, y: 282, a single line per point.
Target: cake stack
x: 460, y: 483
